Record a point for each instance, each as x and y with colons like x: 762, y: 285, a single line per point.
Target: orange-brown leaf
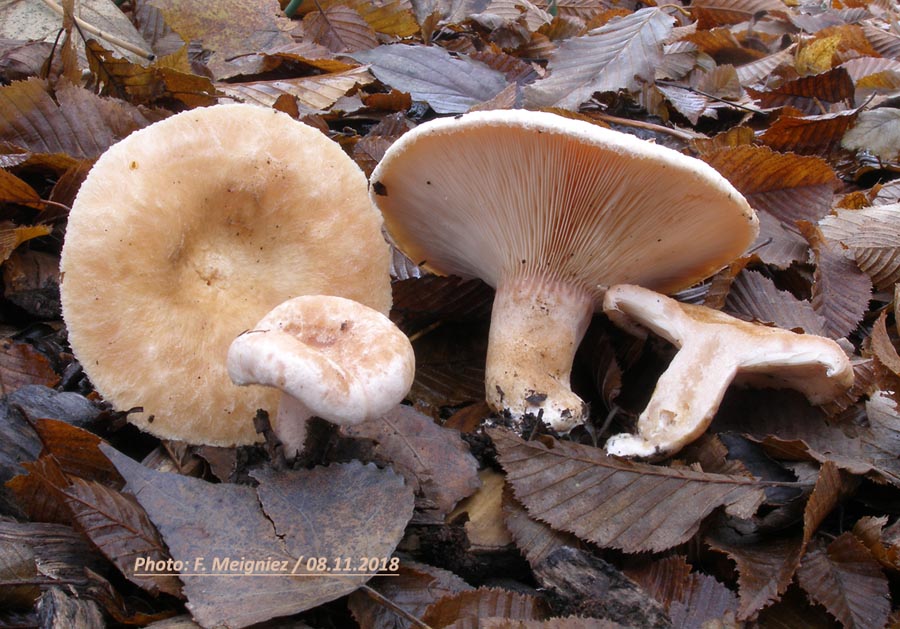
x: 463, y: 610
x: 808, y: 135
x: 21, y: 364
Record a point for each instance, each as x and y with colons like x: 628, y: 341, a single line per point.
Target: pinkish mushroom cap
x: 330, y: 357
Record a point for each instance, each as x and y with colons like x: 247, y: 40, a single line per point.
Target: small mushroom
x: 550, y: 211
x: 714, y: 349
x: 187, y: 232
x: 331, y: 357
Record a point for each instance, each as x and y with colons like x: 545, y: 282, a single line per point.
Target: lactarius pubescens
x: 184, y: 235
x: 550, y: 211
x: 714, y: 349
x: 330, y: 357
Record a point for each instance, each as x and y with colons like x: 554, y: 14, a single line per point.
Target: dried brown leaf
x: 716, y: 12
x: 340, y: 29
x: 765, y: 567
x: 534, y: 539
x: 884, y: 41
x: 391, y: 17
x: 872, y: 238
x: 808, y: 92
x: 77, y: 125
x: 312, y: 93
x: 463, y: 610
x: 371, y: 147
x: 758, y: 70
x: 876, y: 131
x: 840, y: 291
x: 14, y: 190
x: 665, y: 579
x: 706, y: 602
x: 882, y: 346
x: 120, y: 529
x: 40, y: 491
x: 756, y: 297
x: 808, y: 135
x: 22, y: 364
x: 831, y: 486
x: 870, y: 531
x: 450, y: 364
x: 434, y: 460
x: 77, y: 451
x: 609, y: 58
x: 344, y: 510
x: 235, y: 31
x: 11, y: 236
x: 414, y: 588
x: 846, y: 580
x: 422, y: 301
x: 613, y: 502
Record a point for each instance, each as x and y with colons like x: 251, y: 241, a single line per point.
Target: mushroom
x: 550, y: 211
x: 713, y: 349
x: 187, y: 232
x: 331, y: 357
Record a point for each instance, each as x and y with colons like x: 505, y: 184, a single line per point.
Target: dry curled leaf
x: 613, y: 502
x: 871, y: 237
x: 876, y: 131
x: 463, y: 610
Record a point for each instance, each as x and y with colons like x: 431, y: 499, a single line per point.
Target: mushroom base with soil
x: 536, y: 327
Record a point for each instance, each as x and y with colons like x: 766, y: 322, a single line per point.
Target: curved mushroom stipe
x: 331, y: 357
x: 550, y: 211
x: 713, y: 350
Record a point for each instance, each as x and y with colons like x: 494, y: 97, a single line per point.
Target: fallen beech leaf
x: 840, y: 291
x: 808, y: 135
x: 758, y: 70
x: 665, y: 579
x: 807, y: 92
x: 716, y: 12
x: 350, y: 511
x: 77, y: 125
x: 40, y: 491
x: 120, y: 529
x: 765, y: 566
x: 450, y: 364
x: 870, y: 531
x: 876, y: 131
x: 705, y: 602
x: 422, y: 301
x: 11, y: 236
x: 847, y: 581
x: 882, y: 347
x: 450, y: 85
x: 313, y: 92
x: 484, y: 525
x: 780, y: 244
x: 434, y: 460
x: 816, y: 56
x: 463, y: 610
x: 31, y: 282
x: 77, y: 451
x: 340, y: 29
x: 235, y: 31
x: 21, y: 364
x: 755, y: 296
x: 415, y: 587
x: 391, y: 17
x: 872, y: 238
x: 14, y: 190
x: 534, y: 539
x: 614, y: 502
x: 371, y: 147
x: 609, y: 58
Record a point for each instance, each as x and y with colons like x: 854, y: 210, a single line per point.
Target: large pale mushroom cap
x: 499, y: 193
x: 185, y: 234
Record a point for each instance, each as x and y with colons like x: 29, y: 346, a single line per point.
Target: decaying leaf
x: 390, y: 17
x: 414, y: 588
x: 876, y: 131
x: 534, y: 539
x: 609, y: 58
x: 872, y: 238
x: 21, y: 364
x: 845, y: 579
x: 808, y: 135
x: 313, y: 93
x: 283, y: 527
x: 449, y: 84
x: 463, y: 610
x: 755, y: 296
x: 435, y: 462
x: 613, y: 502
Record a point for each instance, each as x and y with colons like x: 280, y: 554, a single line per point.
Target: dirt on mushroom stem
x: 537, y: 324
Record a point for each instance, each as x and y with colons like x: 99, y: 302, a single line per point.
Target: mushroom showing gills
x: 550, y: 211
x: 186, y: 233
x: 331, y: 357
x: 714, y: 349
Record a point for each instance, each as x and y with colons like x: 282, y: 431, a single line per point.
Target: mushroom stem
x: 690, y: 390
x: 290, y: 424
x: 536, y: 327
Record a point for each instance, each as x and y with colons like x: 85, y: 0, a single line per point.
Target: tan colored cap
x: 714, y: 349
x: 184, y: 235
x: 550, y: 211
x: 331, y: 357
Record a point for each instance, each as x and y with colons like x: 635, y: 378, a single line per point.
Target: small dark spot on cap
x: 427, y: 182
x: 133, y: 165
x: 457, y: 116
x: 379, y: 188
x: 536, y: 398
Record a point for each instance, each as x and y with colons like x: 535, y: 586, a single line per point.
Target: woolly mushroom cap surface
x: 519, y: 193
x: 184, y: 235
